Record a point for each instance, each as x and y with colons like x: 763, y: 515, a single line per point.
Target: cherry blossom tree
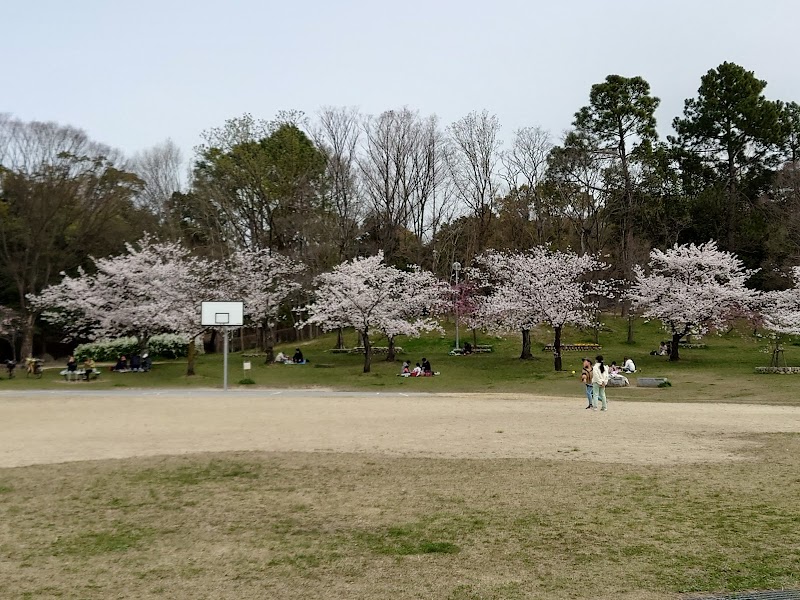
x: 692, y: 289
x: 420, y: 295
x: 156, y: 287
x: 263, y: 280
x: 780, y: 314
x: 541, y: 286
x: 370, y: 296
x: 11, y: 328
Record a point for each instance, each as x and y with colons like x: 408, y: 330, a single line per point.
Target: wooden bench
x: 574, y: 348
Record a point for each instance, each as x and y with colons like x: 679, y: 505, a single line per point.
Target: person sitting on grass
x: 416, y: 371
x: 298, y: 356
x: 122, y: 364
x: 147, y: 362
x: 613, y: 369
x: 628, y: 366
x: 281, y: 358
x: 72, y: 364
x: 426, y: 367
x: 136, y: 362
x: 405, y: 372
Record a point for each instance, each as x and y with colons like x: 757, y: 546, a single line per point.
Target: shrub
x: 167, y: 345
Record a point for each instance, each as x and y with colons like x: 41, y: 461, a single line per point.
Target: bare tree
x: 526, y: 170
x: 160, y: 169
x: 337, y: 134
x: 402, y: 168
x: 475, y: 152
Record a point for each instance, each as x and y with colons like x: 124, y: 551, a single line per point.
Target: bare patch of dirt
x: 53, y: 427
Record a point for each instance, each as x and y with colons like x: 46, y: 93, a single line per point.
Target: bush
x: 166, y: 345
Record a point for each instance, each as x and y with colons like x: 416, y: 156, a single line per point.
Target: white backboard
x: 218, y: 314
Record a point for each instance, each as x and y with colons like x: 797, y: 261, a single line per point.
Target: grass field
x: 722, y: 372
x: 375, y: 525
x: 354, y: 526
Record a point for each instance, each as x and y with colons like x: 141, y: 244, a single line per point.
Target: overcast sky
x: 133, y: 73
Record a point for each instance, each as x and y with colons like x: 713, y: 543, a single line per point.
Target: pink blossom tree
x: 264, y: 281
x: 692, y: 289
x: 541, y: 286
x: 370, y: 296
x: 156, y: 287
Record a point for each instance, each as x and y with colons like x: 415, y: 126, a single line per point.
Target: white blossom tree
x: 420, y: 296
x: 156, y: 287
x: 263, y: 280
x: 692, y: 289
x: 11, y: 328
x: 370, y: 296
x: 541, y: 286
x: 780, y: 313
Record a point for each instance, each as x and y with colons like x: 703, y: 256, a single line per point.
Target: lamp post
x: 456, y: 269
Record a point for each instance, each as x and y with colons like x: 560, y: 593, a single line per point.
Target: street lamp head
x: 456, y: 266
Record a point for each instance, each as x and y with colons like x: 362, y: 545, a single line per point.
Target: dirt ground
x: 51, y: 427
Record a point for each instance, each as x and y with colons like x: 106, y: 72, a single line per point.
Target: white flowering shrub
x: 167, y: 345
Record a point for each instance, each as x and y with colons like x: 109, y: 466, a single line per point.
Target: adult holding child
x: 600, y: 377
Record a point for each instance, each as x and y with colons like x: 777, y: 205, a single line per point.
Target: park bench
x: 574, y: 348
x: 479, y: 349
x: 652, y: 382
x: 79, y: 374
x: 375, y: 350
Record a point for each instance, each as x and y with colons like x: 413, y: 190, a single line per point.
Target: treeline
x: 341, y: 184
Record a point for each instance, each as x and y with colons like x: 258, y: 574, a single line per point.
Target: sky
x: 133, y: 74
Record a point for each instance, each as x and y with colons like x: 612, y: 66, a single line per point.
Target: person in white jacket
x: 600, y: 376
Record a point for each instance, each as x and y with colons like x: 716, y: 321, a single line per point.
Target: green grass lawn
x: 722, y: 372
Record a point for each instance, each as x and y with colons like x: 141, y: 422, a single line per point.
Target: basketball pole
x: 225, y: 358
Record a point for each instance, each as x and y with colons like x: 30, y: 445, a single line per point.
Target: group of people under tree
x: 422, y: 369
x: 296, y: 359
x: 137, y: 363
x: 596, y: 377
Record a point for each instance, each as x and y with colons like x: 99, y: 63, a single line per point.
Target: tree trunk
x: 557, y: 348
x: 340, y: 339
x: 673, y: 352
x: 367, y: 352
x: 474, y: 337
x: 630, y: 339
x: 390, y: 355
x: 27, y: 337
x: 269, y: 344
x: 191, y: 357
x: 526, y: 345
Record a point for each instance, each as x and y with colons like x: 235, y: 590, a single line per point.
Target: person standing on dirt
x: 586, y: 379
x: 600, y: 377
